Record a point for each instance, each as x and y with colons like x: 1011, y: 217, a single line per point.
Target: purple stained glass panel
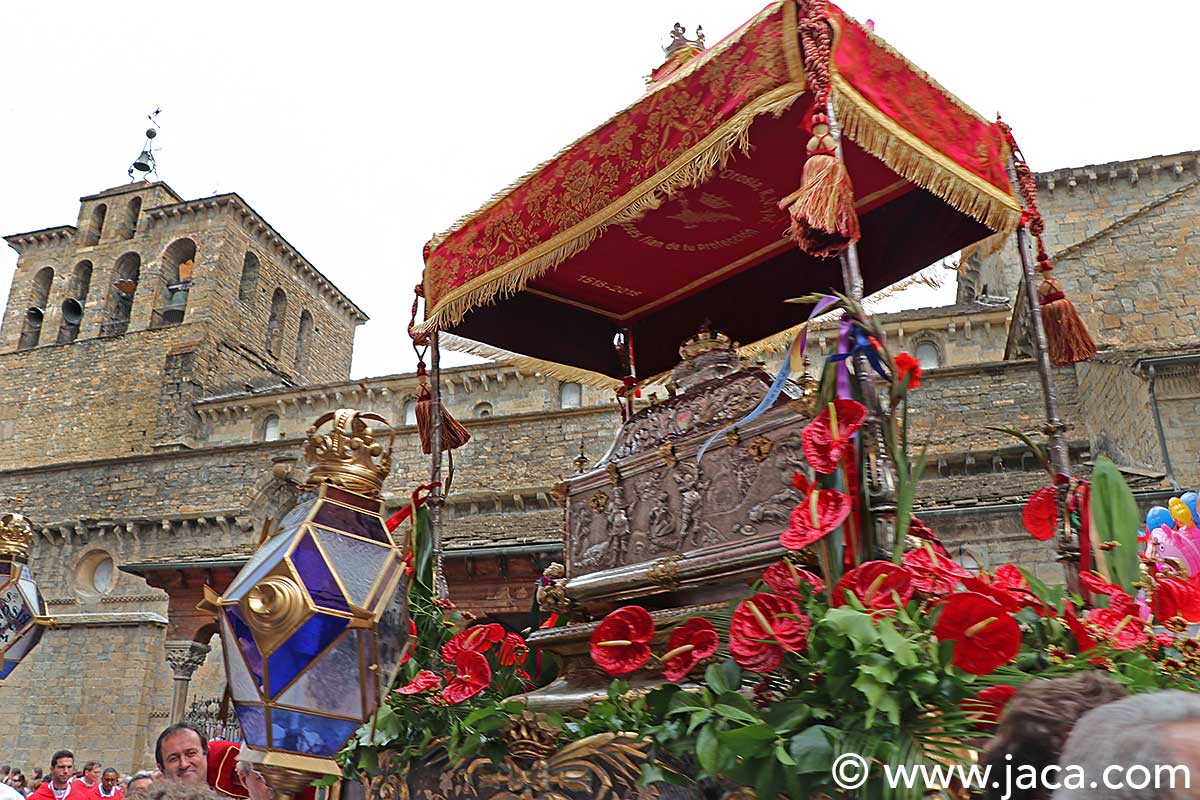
x: 348, y: 520
x: 331, y: 685
x: 299, y: 512
x: 254, y: 724
x: 301, y: 649
x: 309, y: 733
x: 245, y: 642
x: 352, y: 499
x: 319, y: 581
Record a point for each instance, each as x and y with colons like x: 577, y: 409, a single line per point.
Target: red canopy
x: 665, y: 216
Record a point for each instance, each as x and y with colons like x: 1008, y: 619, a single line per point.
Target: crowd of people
x: 189, y: 767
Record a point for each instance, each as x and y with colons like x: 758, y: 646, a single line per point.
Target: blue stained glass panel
x: 25, y: 643
x: 309, y: 733
x: 357, y: 562
x: 316, y: 576
x: 331, y: 685
x: 262, y: 562
x: 245, y: 642
x: 340, y: 518
x: 6, y: 668
x: 254, y: 724
x: 299, y: 511
x: 301, y: 648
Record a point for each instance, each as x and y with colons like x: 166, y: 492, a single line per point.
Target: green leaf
x: 1115, y: 518
x: 748, y: 740
x: 872, y: 689
x: 715, y: 678
x: 729, y: 712
x: 783, y: 756
x: 1038, y: 452
x: 895, y: 642
x: 708, y: 751
x: 856, y: 625
x: 698, y: 719
x: 812, y: 749
x: 878, y: 667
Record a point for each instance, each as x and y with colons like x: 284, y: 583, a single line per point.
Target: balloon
x: 1189, y: 500
x: 1157, y: 517
x: 1183, y: 546
x: 1180, y: 513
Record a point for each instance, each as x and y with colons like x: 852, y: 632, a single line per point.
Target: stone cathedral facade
x: 161, y: 359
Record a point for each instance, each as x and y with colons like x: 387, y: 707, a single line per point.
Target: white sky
x: 359, y: 129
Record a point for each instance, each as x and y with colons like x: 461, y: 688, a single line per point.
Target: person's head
x: 143, y: 779
x: 5, y: 770
x: 62, y: 766
x: 109, y: 778
x: 1037, y: 721
x: 1144, y: 747
x: 91, y: 772
x: 175, y: 790
x: 17, y: 781
x: 255, y: 783
x: 37, y: 773
x: 182, y: 754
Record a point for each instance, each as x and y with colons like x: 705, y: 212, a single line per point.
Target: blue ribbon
x: 781, y: 377
x: 858, y: 342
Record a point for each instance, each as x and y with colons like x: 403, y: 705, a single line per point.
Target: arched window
x: 483, y: 409
x: 570, y: 395
x: 120, y: 298
x: 410, y: 412
x: 132, y: 212
x: 176, y: 267
x: 303, y: 340
x: 276, y: 321
x: 270, y: 428
x: 928, y: 356
x: 95, y: 227
x: 72, y: 307
x: 249, y: 278
x: 39, y: 292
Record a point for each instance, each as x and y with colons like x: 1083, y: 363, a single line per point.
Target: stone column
x: 184, y: 658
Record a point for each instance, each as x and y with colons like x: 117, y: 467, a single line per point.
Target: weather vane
x: 144, y: 163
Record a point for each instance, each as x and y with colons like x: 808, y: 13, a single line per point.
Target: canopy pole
x: 1053, y: 427
x: 436, y: 498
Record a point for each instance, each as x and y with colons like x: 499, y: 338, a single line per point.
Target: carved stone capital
x: 185, y: 657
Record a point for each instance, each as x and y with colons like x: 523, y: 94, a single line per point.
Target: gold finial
x: 347, y: 456
x: 16, y: 536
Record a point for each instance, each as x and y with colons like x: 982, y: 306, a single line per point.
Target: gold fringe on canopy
x: 916, y: 161
x: 562, y: 372
x: 689, y: 170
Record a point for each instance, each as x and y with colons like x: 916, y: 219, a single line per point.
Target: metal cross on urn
x: 315, y: 625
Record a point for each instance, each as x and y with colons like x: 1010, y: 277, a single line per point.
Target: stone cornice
x: 262, y: 231
x: 1176, y: 166
x: 46, y: 237
x: 109, y: 619
x: 225, y: 522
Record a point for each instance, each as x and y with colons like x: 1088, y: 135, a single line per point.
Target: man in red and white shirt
x: 60, y: 786
x: 109, y: 787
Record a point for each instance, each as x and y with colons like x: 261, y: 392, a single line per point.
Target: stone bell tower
x: 115, y: 324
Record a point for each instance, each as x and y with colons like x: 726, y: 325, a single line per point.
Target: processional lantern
x: 21, y: 604
x: 315, y: 625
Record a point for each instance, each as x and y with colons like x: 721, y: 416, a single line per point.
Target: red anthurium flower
x: 691, y: 643
x: 1083, y: 637
x: 423, y: 682
x: 621, y: 642
x: 762, y: 628
x: 513, y: 650
x: 828, y: 437
x: 785, y: 578
x: 411, y: 645
x: 1098, y: 585
x: 985, y: 635
x: 1009, y: 577
x: 1124, y: 631
x: 908, y: 368
x: 472, y: 675
x: 1175, y: 597
x: 1040, y: 516
x: 821, y: 511
x: 879, y: 585
x: 479, y: 639
x: 987, y: 706
x: 919, y: 530
x: 933, y: 573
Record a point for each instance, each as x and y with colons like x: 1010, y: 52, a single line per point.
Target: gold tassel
x: 1067, y: 339
x: 453, y: 434
x: 824, y: 222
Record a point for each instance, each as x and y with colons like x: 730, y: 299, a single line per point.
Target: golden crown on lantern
x: 347, y: 456
x: 16, y: 536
